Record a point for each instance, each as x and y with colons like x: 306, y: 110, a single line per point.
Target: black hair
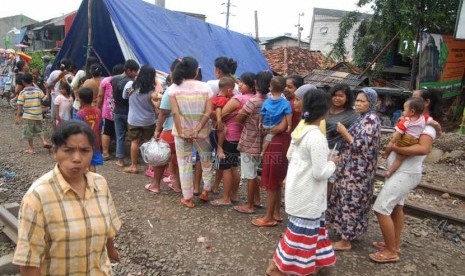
x: 226, y: 65
x: 346, y: 89
x: 20, y: 65
x: 316, y: 104
x: 248, y: 78
x: 174, y: 63
x: 263, y: 79
x: 118, y: 69
x: 65, y: 86
x: 278, y: 83
x: 64, y: 64
x: 131, y: 64
x: 86, y: 95
x: 435, y: 102
x: 68, y: 128
x: 185, y: 69
x: 297, y: 80
x: 95, y: 70
x: 27, y: 78
x: 417, y: 105
x: 145, y: 80
x: 199, y: 76
x: 226, y: 82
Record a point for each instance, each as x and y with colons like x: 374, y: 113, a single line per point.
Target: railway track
x: 421, y: 212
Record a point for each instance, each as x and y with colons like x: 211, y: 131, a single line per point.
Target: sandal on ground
x: 117, y: 163
x: 259, y: 222
x: 278, y: 219
x: 204, y: 197
x: 379, y: 257
x: 172, y: 187
x: 47, y: 146
x: 196, y: 193
x: 130, y: 170
x: 106, y: 158
x: 187, y: 203
x: 28, y: 151
x: 151, y: 189
x: 244, y: 210
x: 259, y: 206
x: 218, y: 202
x: 337, y: 247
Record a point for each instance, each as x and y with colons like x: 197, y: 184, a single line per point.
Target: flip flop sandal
x: 47, y: 146
x: 204, y: 197
x: 260, y: 223
x: 152, y: 190
x: 339, y: 248
x: 381, y: 258
x: 129, y: 170
x: 30, y: 152
x: 217, y: 203
x: 171, y: 186
x: 243, y: 210
x: 278, y: 219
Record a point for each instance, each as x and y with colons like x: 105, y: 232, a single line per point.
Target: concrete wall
x: 321, y: 41
x: 7, y: 23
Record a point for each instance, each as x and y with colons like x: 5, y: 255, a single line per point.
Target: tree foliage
x: 408, y: 17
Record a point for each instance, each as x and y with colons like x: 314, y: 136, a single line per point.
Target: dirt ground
x: 159, y: 236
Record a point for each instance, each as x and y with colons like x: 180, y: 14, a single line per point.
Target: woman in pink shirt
x: 229, y: 164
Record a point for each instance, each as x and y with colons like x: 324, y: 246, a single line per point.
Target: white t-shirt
x: 66, y: 105
x: 214, y: 85
x: 413, y: 164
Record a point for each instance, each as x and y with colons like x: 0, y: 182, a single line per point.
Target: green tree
x: 407, y: 17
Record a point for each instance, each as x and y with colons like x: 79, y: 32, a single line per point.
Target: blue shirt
x: 165, y: 104
x: 274, y: 110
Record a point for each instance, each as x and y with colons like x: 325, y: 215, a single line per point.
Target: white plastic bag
x: 155, y: 152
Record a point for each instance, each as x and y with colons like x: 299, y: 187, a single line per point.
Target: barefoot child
x: 274, y: 110
x: 226, y: 85
x: 29, y: 102
x: 305, y: 247
x: 63, y: 104
x: 93, y: 117
x: 408, y: 130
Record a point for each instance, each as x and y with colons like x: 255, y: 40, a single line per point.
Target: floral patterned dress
x: 352, y: 194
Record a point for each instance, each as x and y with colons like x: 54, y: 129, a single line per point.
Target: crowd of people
x: 320, y: 147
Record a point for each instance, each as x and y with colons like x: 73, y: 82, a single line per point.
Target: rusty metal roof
x: 322, y: 78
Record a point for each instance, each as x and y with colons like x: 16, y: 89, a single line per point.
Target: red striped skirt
x: 304, y: 247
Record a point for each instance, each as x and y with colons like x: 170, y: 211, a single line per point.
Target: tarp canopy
x: 123, y: 29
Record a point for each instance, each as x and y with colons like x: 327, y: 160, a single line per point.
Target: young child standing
x: 93, y: 117
x: 29, y: 102
x: 305, y: 247
x: 274, y: 110
x: 408, y: 130
x: 63, y: 104
x: 226, y: 85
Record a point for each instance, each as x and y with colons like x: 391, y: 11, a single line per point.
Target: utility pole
x: 299, y: 29
x: 228, y: 13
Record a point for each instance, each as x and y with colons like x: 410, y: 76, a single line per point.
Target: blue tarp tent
x: 123, y: 29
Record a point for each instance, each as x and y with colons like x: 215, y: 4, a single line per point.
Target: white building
x: 325, y: 29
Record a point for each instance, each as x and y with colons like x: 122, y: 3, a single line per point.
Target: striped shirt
x: 63, y: 234
x: 191, y: 96
x: 31, y: 98
x: 250, y: 141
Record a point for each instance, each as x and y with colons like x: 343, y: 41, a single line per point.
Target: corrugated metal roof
x: 293, y: 60
x: 322, y: 78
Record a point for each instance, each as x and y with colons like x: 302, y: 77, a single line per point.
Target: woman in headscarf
x: 351, y: 197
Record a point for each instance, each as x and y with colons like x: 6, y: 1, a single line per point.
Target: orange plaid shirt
x: 63, y: 234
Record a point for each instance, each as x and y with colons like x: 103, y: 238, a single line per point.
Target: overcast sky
x: 274, y: 17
